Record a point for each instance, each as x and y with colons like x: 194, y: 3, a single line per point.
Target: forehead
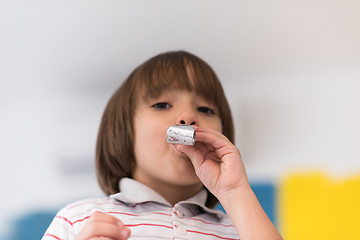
x: 177, y: 94
x: 179, y: 77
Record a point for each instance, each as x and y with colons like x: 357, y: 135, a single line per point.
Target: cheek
x: 148, y: 140
x: 219, y: 126
x: 149, y: 132
x: 142, y: 139
x: 216, y: 125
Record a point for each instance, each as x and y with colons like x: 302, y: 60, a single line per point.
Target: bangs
x: 178, y: 72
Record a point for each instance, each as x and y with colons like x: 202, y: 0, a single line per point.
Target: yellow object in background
x: 315, y: 206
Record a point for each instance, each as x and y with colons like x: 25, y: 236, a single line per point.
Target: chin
x: 187, y: 179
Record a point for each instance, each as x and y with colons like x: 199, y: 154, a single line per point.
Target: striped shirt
x: 148, y: 215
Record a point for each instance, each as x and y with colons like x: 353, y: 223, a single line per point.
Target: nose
x: 187, y: 117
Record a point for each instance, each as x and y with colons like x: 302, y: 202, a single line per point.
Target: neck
x: 173, y: 193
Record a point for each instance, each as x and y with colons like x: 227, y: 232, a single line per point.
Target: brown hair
x: 115, y: 144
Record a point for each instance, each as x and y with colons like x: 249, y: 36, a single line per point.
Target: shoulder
x: 89, y: 202
x: 89, y: 205
x: 70, y: 219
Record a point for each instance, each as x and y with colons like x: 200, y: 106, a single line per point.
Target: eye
x: 161, y: 105
x: 206, y: 110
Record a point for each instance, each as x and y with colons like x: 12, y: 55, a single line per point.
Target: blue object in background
x: 266, y: 194
x: 31, y: 226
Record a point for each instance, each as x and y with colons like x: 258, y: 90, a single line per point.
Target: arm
x: 218, y: 164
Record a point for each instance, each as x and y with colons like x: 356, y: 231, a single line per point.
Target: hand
x: 217, y: 162
x: 103, y: 226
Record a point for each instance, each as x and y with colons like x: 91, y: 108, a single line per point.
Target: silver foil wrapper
x: 181, y: 134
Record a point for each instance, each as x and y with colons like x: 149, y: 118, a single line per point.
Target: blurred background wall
x: 291, y: 71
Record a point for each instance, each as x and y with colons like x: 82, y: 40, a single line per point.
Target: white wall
x: 291, y: 71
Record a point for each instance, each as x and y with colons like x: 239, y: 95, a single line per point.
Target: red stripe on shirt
x: 53, y: 236
x: 210, y: 234
x: 148, y: 224
x: 137, y: 215
x: 220, y: 224
x: 80, y: 220
x: 124, y: 213
x: 65, y: 219
x: 96, y: 203
x: 110, y: 212
x: 160, y: 213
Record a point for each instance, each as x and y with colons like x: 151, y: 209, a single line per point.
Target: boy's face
x: 158, y: 163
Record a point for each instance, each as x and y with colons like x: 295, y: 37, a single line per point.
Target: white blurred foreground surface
x: 291, y: 72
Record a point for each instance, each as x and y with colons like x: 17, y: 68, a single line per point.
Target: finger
x: 105, y: 226
x: 201, y: 129
x: 212, y: 138
x: 106, y: 230
x: 221, y: 145
x: 215, y: 139
x: 195, y: 154
x: 104, y: 217
x: 101, y: 238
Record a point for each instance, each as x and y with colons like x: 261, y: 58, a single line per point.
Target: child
x: 159, y: 190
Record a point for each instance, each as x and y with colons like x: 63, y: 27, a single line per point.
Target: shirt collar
x: 134, y: 192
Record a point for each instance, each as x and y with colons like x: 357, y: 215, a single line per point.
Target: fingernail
x: 126, y: 232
